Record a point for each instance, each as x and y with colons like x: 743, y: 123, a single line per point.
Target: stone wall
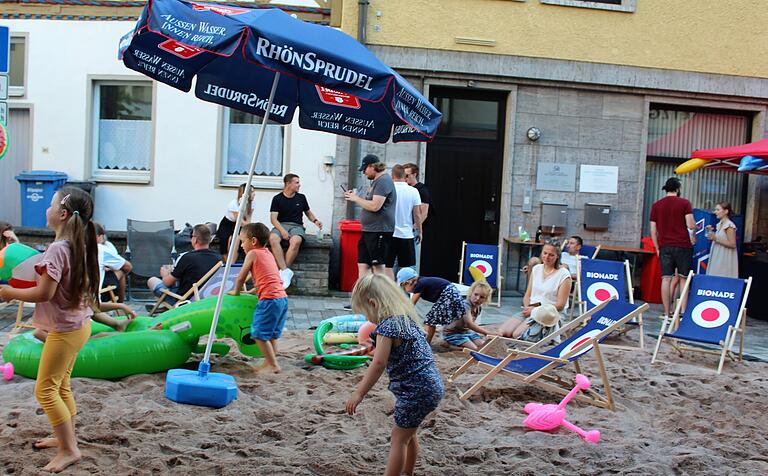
x: 310, y: 268
x: 580, y: 127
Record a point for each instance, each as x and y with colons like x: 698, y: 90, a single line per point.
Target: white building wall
x: 62, y: 57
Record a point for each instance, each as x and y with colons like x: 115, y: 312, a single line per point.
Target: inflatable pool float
x: 139, y: 350
x: 346, y: 359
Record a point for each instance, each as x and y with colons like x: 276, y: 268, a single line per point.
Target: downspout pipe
x: 355, y: 145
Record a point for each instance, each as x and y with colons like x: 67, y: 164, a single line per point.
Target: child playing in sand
x: 403, y: 350
x: 67, y: 285
x: 465, y: 332
x: 448, y: 304
x: 272, y: 308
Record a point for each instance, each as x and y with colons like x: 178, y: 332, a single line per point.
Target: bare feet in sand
x: 62, y: 461
x: 43, y: 443
x: 266, y: 368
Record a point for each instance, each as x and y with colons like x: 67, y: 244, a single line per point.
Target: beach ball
x: 17, y: 265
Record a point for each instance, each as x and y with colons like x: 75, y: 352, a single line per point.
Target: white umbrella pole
x: 205, y: 364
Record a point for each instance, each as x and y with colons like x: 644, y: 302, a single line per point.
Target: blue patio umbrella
x: 267, y: 63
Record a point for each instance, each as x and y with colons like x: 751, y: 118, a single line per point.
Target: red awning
x: 726, y: 158
x: 758, y: 149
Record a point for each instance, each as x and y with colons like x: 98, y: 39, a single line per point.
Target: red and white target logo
x: 601, y: 291
x: 578, y: 344
x: 483, y: 266
x: 710, y: 314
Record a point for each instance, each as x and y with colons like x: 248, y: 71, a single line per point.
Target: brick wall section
x: 310, y: 268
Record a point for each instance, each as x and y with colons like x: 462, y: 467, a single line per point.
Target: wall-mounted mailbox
x: 553, y: 218
x: 596, y: 216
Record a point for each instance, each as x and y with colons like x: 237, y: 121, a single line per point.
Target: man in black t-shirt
x: 286, y: 217
x: 190, y: 267
x: 412, y: 179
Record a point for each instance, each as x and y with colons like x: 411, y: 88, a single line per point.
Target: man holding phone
x: 377, y: 217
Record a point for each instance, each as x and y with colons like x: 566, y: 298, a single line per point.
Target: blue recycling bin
x: 37, y: 189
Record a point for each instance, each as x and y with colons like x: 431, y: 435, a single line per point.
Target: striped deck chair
x: 715, y: 313
x: 213, y: 286
x: 599, y: 280
x: 537, y: 368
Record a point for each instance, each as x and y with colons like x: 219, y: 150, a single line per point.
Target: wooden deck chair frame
x: 19, y: 325
x: 192, y: 293
x: 499, y: 277
x: 631, y: 297
x: 671, y: 325
x: 542, y: 378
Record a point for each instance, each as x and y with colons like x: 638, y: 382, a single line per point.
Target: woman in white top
x: 550, y: 283
x: 227, y: 223
x: 723, y: 257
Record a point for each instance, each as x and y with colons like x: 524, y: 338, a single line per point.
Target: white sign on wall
x: 599, y: 179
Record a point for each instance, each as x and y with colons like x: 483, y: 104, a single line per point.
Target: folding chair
x: 536, y: 367
x: 486, y: 259
x: 193, y: 294
x: 590, y: 252
x: 586, y: 251
x: 150, y: 245
x: 598, y: 280
x: 715, y: 313
x: 214, y: 285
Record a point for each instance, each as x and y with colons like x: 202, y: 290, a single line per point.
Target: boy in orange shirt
x: 272, y: 309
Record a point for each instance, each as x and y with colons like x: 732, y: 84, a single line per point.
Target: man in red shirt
x: 673, y: 231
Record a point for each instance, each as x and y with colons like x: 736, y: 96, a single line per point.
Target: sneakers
x: 286, y: 275
x: 348, y: 307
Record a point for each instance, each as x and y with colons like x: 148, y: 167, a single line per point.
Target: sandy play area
x: 672, y: 418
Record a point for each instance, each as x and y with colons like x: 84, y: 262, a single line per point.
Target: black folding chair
x: 150, y: 246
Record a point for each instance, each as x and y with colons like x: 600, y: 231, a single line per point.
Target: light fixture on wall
x: 534, y: 133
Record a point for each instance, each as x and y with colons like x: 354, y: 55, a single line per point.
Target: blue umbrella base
x: 209, y: 390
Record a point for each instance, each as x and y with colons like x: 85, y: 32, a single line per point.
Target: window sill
x: 627, y: 6
x: 269, y: 183
x: 122, y: 176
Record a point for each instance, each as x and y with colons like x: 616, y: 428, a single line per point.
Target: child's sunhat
x: 546, y: 315
x: 406, y: 274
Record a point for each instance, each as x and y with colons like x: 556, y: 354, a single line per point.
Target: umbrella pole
x: 205, y: 365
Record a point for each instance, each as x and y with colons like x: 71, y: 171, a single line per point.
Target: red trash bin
x: 351, y: 231
x: 650, y: 278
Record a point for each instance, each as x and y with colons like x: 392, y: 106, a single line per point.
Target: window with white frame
x: 239, y: 135
x: 17, y: 66
x: 628, y: 6
x: 122, y: 130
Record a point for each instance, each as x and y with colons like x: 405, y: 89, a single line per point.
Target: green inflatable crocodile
x: 140, y: 350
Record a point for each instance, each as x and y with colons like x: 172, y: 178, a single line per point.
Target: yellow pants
x: 52, y: 389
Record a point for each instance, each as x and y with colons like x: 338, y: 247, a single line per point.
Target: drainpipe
x: 355, y: 145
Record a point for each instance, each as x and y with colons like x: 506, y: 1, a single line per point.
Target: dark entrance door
x: 463, y: 173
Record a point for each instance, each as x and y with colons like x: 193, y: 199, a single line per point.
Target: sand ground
x: 676, y: 417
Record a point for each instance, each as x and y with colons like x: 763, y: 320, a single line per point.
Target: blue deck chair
x: 715, y: 313
x: 536, y: 367
x: 598, y: 280
x: 485, y: 262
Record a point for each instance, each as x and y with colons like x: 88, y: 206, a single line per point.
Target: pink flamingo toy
x: 550, y: 417
x: 7, y: 370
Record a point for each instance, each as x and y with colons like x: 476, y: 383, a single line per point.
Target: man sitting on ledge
x: 286, y: 217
